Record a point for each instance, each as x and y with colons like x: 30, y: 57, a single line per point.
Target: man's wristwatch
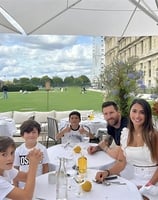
x: 106, y: 149
x: 98, y: 148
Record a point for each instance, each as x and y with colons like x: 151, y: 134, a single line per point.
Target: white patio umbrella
x: 85, y: 17
x: 6, y: 26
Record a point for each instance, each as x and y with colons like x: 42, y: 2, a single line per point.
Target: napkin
x: 150, y: 191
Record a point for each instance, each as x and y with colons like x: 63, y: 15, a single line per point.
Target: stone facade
x: 145, y: 48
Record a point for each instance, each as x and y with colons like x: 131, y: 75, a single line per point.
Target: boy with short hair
x: 73, y: 131
x: 8, y: 173
x: 30, y: 131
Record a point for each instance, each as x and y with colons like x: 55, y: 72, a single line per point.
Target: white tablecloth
x: 94, y: 125
x: 128, y: 191
x: 99, y: 160
x: 7, y: 127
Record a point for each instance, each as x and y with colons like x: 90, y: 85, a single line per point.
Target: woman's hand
x: 100, y: 176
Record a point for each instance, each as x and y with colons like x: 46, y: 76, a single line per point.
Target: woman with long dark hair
x: 139, y: 150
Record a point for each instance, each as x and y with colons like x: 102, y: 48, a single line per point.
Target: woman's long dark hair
x: 149, y: 134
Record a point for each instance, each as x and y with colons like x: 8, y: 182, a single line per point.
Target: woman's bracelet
x: 108, y: 171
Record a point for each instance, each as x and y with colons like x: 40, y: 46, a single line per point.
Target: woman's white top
x: 139, y: 156
x: 140, y: 167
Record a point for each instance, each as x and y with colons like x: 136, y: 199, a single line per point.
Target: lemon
x: 77, y: 149
x: 86, y: 186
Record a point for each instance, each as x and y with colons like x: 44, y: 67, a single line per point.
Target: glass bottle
x: 61, y: 181
x: 82, y: 164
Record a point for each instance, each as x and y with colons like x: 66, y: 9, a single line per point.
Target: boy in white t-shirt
x: 8, y: 174
x: 74, y: 132
x: 30, y: 130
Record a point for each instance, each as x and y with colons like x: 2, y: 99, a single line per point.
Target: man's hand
x: 103, y: 144
x: 92, y: 149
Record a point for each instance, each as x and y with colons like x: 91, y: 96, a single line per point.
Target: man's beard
x: 114, y: 122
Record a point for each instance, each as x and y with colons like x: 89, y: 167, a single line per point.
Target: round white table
x: 7, y: 127
x: 94, y: 125
x: 99, y: 160
x: 128, y: 190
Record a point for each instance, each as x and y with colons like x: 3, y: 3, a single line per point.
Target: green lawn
x: 53, y: 100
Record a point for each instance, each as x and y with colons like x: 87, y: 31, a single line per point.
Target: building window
x: 142, y: 47
x: 156, y: 72
x: 149, y: 68
x: 129, y: 52
x: 150, y: 42
x: 135, y: 50
x: 143, y: 73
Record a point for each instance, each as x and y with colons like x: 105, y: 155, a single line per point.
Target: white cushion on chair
x: 41, y: 117
x: 20, y: 117
x: 8, y: 114
x: 62, y: 114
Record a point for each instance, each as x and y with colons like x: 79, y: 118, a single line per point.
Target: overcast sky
x: 36, y: 56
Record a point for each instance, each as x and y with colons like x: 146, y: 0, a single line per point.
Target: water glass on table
x: 85, y: 141
x: 79, y: 179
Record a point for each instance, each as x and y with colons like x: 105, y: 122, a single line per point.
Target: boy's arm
x: 62, y: 132
x: 45, y: 168
x: 16, y: 182
x: 35, y: 156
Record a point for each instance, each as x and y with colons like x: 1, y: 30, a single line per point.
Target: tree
x: 57, y: 81
x: 44, y: 79
x: 84, y: 80
x: 24, y: 81
x: 69, y: 81
x: 35, y: 81
x: 121, y: 81
x: 16, y: 81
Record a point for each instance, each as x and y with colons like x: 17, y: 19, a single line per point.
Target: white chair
x: 52, y: 130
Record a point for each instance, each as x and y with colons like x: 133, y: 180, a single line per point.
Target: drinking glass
x: 85, y: 141
x: 79, y: 179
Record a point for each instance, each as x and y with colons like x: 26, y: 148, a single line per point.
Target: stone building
x: 145, y: 48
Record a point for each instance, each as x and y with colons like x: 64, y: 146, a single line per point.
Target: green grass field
x: 52, y: 100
